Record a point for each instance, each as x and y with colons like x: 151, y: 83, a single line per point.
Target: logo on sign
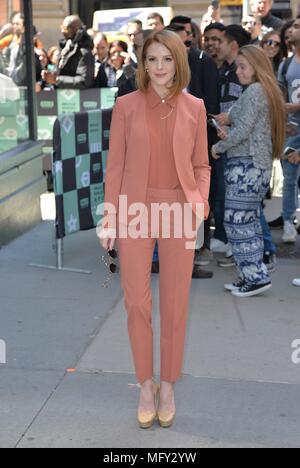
x: 47, y: 104
x: 90, y: 105
x: 81, y: 138
x: 84, y: 203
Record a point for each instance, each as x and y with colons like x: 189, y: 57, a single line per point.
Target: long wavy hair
x: 279, y: 56
x: 265, y: 76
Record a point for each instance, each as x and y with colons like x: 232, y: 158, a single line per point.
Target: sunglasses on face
x: 251, y: 23
x: 271, y: 43
x: 109, y: 262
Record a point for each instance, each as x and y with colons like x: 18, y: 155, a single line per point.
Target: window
x: 14, y: 121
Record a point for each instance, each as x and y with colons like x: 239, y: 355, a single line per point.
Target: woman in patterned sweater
x: 253, y: 140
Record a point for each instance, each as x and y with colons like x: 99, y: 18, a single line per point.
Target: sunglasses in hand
x: 109, y: 261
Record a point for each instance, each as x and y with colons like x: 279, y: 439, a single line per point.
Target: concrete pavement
x: 239, y: 388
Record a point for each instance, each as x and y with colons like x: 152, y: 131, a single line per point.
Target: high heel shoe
x: 166, y: 418
x: 147, y: 419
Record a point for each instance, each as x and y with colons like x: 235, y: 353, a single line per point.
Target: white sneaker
x: 229, y: 252
x: 289, y: 233
x: 296, y: 282
x: 218, y: 246
x: 234, y: 286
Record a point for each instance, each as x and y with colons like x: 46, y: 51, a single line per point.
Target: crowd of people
x: 242, y: 116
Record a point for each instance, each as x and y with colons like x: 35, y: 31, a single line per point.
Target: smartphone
x: 213, y: 123
x: 293, y: 126
x: 288, y: 150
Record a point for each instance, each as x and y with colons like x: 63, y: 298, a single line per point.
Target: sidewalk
x: 239, y: 389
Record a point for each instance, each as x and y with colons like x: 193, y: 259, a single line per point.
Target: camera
x: 215, y: 4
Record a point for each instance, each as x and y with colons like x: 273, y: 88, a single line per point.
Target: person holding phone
x: 294, y: 158
x: 289, y: 79
x: 254, y: 139
x: 111, y: 71
x: 213, y: 15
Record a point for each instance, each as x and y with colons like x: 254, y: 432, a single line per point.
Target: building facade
x: 21, y: 170
x: 21, y: 159
x: 48, y: 14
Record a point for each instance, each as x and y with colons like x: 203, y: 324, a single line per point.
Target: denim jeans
x: 155, y: 253
x: 218, y: 196
x: 269, y: 245
x: 291, y: 173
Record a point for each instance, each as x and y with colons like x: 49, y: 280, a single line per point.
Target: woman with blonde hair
x: 254, y: 139
x: 158, y: 155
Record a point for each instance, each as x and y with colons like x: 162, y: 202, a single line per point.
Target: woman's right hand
x: 107, y: 238
x: 222, y: 133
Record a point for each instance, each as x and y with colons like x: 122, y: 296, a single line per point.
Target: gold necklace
x: 165, y: 117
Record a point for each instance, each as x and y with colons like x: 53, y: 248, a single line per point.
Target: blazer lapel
x: 182, y: 132
x: 143, y: 137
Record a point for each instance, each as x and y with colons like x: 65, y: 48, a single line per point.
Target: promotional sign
x: 54, y: 103
x: 14, y: 126
x: 114, y: 22
x: 231, y: 2
x: 80, y: 144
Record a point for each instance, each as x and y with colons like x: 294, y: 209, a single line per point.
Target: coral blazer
x: 129, y: 151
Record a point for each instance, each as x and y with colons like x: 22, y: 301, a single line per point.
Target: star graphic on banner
x: 68, y: 94
x: 72, y: 223
x: 67, y: 124
x: 58, y: 167
x: 22, y: 120
x: 78, y: 162
x: 85, y: 179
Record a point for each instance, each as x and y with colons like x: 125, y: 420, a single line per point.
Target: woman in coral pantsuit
x: 158, y: 155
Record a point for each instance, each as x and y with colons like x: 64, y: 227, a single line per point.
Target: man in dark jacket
x: 16, y: 53
x: 234, y: 37
x: 204, y: 85
x: 76, y: 62
x: 205, y: 76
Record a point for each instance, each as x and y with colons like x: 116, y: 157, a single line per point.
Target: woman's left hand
x: 214, y: 154
x: 222, y: 133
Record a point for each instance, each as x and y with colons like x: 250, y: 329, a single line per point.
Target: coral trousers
x: 176, y: 266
